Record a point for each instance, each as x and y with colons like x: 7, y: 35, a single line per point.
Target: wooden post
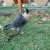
x: 20, y: 6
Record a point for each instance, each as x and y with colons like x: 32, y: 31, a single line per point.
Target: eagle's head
x: 26, y: 11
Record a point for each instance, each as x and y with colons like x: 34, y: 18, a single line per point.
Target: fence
x: 13, y: 9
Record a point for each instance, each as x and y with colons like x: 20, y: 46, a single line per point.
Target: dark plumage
x: 19, y: 22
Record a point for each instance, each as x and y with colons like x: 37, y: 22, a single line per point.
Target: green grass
x: 35, y: 37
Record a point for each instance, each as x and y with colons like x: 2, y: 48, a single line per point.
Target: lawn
x: 35, y: 36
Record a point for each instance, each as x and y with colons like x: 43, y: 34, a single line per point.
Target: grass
x: 35, y: 37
